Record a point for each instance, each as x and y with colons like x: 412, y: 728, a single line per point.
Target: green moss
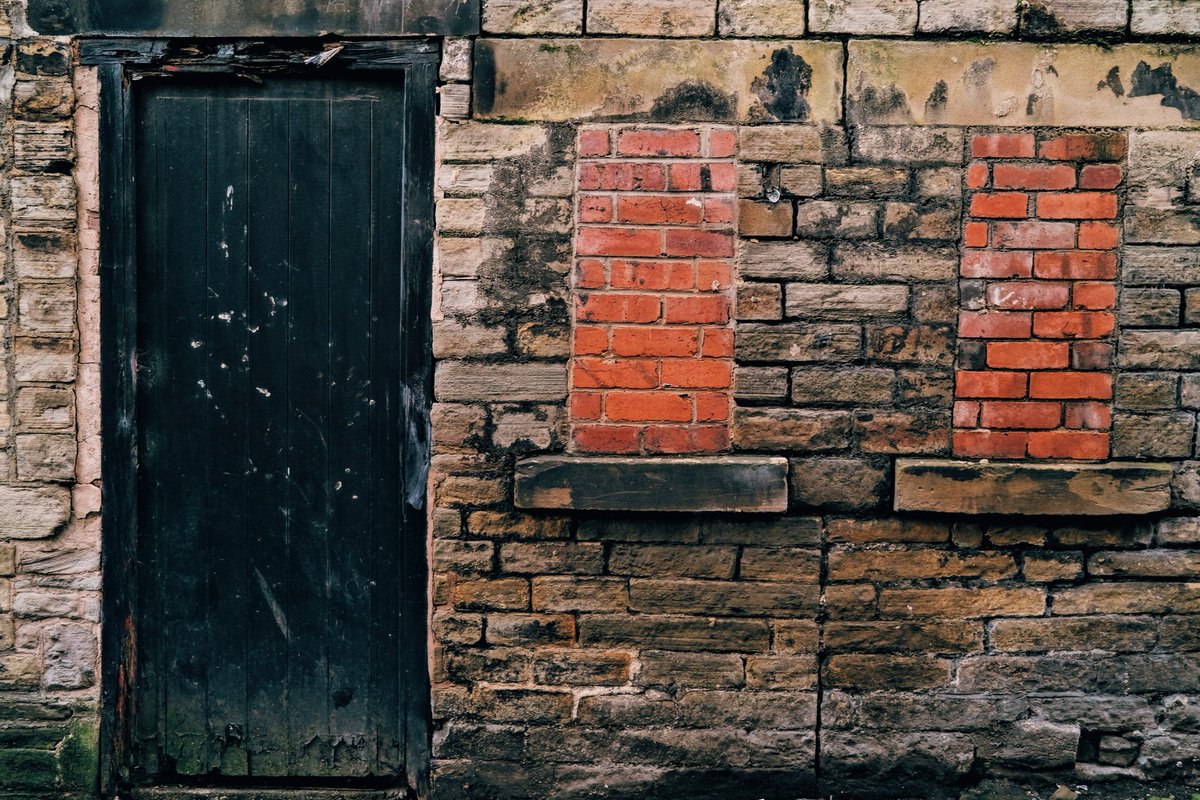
x: 79, y: 755
x: 28, y: 769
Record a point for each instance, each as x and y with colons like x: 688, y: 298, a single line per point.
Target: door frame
x: 119, y: 64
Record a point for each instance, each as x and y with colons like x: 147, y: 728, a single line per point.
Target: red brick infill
x: 1037, y: 319
x: 652, y: 363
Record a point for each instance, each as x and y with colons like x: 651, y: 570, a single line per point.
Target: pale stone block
x: 1177, y: 17
x: 45, y: 457
x: 761, y: 18
x: 456, y: 59
x: 869, y: 17
x: 46, y: 307
x: 473, y: 141
x: 670, y: 80
x: 1052, y: 17
x: 533, y: 16
x: 979, y: 16
x: 33, y: 512
x: 651, y: 17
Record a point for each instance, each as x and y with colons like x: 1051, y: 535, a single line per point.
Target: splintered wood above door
x: 272, y: 323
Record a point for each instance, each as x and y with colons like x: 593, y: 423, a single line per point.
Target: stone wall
x: 841, y: 648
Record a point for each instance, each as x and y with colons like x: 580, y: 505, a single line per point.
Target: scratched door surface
x: 269, y: 373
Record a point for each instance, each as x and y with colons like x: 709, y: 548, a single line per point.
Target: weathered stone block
x: 727, y: 483
x: 911, y: 145
x: 1045, y: 488
x: 736, y: 598
x: 1153, y: 435
x: 1172, y: 17
x: 33, y: 512
x: 46, y: 307
x: 826, y: 219
x: 586, y: 78
x: 761, y: 18
x: 760, y: 383
x: 533, y: 16
x: 1056, y: 18
x: 790, y: 430
x: 759, y: 301
x: 691, y: 670
x: 848, y: 386
x: 1148, y: 308
x: 789, y: 144
x: 675, y: 632
x: 71, y: 656
x: 783, y: 260
x: 456, y: 381
x: 1160, y: 349
x: 652, y: 17
x: 690, y: 562
x: 798, y: 344
x: 1115, y: 634
x: 892, y: 636
x: 866, y: 17
x: 957, y: 603
x: 981, y: 16
x: 838, y: 483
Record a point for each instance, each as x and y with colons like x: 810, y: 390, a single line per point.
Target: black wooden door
x: 277, y: 632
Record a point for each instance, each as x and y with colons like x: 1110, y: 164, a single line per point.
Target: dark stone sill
x: 1046, y: 488
x: 754, y: 484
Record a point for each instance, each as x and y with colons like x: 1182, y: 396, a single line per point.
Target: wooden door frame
x: 119, y: 64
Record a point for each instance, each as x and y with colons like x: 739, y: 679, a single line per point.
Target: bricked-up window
x: 652, y: 367
x: 1039, y: 269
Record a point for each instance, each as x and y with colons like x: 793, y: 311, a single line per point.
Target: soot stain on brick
x: 484, y: 78
x: 694, y: 100
x: 1113, y: 81
x: 783, y: 86
x: 875, y: 104
x: 1145, y: 82
x: 1038, y: 22
x: 935, y: 104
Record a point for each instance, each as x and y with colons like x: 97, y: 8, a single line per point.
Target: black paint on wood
x: 267, y: 351
x: 600, y: 483
x: 196, y: 18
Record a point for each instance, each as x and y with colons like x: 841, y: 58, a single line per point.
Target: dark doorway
x: 278, y: 351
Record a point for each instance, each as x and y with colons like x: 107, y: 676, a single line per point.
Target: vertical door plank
x: 308, y: 392
x: 386, y: 443
x: 350, y: 401
x: 227, y: 432
x: 182, y: 527
x: 268, y: 516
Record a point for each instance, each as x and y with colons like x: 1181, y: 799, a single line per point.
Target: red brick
x: 623, y: 373
x: 622, y: 176
x: 702, y: 177
x: 1073, y: 324
x: 656, y: 341
x: 990, y: 384
x: 1097, y: 416
x: 994, y: 324
x: 1097, y: 296
x: 1000, y: 204
x: 977, y: 175
x: 607, y: 438
x: 686, y: 439
x: 595, y: 208
x: 685, y: 242
x: 722, y: 144
x: 1070, y: 385
x: 590, y: 340
x: 660, y: 210
x: 1077, y: 205
x: 975, y: 234
x: 1068, y: 444
x: 712, y: 276
x: 712, y: 406
x: 593, y: 143
x: 966, y: 413
x: 718, y: 211
x: 585, y: 405
x: 718, y: 343
x: 1091, y: 355
x: 647, y: 407
x: 589, y: 274
x: 1100, y: 176
x: 1084, y: 147
x: 1028, y: 355
x: 1003, y: 145
x: 1035, y: 235
x: 619, y: 242
x: 652, y: 275
x: 1098, y: 235
x: 608, y: 307
x: 990, y: 444
x: 997, y: 264
x: 659, y: 142
x: 697, y: 309
x: 1020, y: 415
x: 1033, y: 176
x: 697, y: 373
x: 1076, y: 264
x: 1020, y: 295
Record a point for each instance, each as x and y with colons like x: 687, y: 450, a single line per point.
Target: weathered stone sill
x: 709, y: 483
x: 1032, y: 489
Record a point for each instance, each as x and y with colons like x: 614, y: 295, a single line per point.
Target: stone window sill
x: 687, y: 483
x: 1058, y: 488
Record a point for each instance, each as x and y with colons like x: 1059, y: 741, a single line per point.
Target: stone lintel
x: 1032, y: 489
x: 712, y: 483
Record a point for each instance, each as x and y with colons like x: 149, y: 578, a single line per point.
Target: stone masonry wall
x: 839, y: 649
